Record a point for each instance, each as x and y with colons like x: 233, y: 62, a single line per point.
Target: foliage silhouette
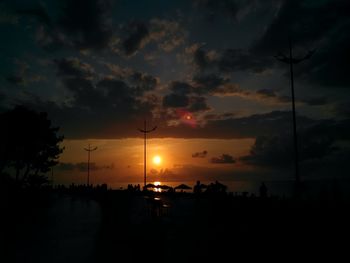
x: 30, y: 145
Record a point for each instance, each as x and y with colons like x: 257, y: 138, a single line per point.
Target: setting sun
x: 157, y: 160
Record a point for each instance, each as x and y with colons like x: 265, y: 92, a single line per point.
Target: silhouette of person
x: 263, y: 190
x: 197, y: 189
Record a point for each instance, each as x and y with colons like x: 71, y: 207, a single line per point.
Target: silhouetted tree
x: 29, y: 145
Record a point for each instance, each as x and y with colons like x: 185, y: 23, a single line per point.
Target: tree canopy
x: 29, y: 145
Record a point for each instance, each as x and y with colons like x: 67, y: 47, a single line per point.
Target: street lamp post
x: 89, y: 150
x: 145, y: 131
x: 290, y: 60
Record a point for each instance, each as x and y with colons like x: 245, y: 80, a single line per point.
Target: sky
x: 203, y: 71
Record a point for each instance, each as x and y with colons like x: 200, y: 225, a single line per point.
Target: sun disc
x: 157, y: 159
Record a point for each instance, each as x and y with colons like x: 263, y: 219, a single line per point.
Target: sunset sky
x: 202, y: 71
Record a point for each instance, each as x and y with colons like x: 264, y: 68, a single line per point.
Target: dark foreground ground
x: 120, y: 226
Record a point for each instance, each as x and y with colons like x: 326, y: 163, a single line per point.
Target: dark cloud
x: 23, y: 74
x: 2, y: 97
x: 140, y: 80
x: 305, y: 22
x: 87, y: 22
x: 123, y: 94
x: 214, y: 9
x: 269, y: 94
x: 82, y: 24
x: 109, y: 106
x: 226, y: 115
x: 112, y: 108
x: 321, y: 25
x: 183, y: 95
x: 272, y: 151
x: 202, y: 154
x: 143, y: 82
x: 164, y: 34
x: 230, y: 89
x: 338, y: 130
x: 209, y: 83
x: 342, y: 109
x: 89, y: 25
x: 325, y: 167
x: 315, y: 101
x: 328, y: 66
x: 73, y: 67
x: 168, y: 34
x: 206, y: 84
x: 201, y: 59
x: 314, y: 24
x: 82, y: 167
x: 266, y: 92
x: 92, y: 103
x: 198, y: 104
x: 181, y: 88
x: 15, y: 79
x: 225, y: 158
x: 52, y: 39
x: 174, y: 100
x: 315, y: 142
x: 120, y: 94
x: 235, y: 10
x: 270, y: 123
x: 85, y: 94
x: 38, y: 11
x: 98, y: 103
x: 272, y: 95
x: 137, y: 33
x: 232, y: 60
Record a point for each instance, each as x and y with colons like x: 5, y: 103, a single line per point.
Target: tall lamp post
x: 290, y: 60
x: 145, y: 131
x: 89, y: 150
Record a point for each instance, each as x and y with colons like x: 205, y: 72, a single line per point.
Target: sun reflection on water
x: 156, y: 189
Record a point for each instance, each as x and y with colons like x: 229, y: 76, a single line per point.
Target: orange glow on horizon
x: 121, y: 160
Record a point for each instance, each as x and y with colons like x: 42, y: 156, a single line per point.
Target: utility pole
x: 145, y: 131
x: 290, y: 60
x: 89, y: 150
